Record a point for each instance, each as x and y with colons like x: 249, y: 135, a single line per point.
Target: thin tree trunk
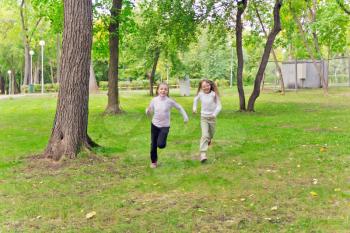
x: 113, y: 106
x: 69, y: 133
x: 154, y: 68
x: 15, y: 86
x: 2, y: 85
x: 51, y: 73
x: 306, y: 44
x: 278, y: 67
x: 263, y: 82
x: 265, y: 57
x: 26, y: 46
x: 37, y: 73
x: 26, y: 42
x: 93, y: 88
x: 239, y: 28
x: 313, y: 20
x: 342, y: 6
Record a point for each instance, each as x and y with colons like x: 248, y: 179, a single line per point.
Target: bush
x: 103, y: 85
x: 143, y: 84
x: 51, y: 88
x: 222, y: 83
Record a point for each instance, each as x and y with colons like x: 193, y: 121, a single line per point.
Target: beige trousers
x: 208, y: 130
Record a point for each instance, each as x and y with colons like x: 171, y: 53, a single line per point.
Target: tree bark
x: 69, y: 133
x: 113, y: 106
x: 36, y: 78
x: 278, y: 67
x: 265, y: 57
x: 242, y: 5
x: 154, y: 68
x: 58, y: 57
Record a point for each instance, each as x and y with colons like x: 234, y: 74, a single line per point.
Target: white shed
x: 303, y: 74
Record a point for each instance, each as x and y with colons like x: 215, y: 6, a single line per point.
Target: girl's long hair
x: 160, y: 84
x: 213, y: 87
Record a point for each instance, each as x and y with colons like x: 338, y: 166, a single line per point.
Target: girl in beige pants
x: 210, y: 107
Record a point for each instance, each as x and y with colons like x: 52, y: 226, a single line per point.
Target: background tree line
x: 154, y: 39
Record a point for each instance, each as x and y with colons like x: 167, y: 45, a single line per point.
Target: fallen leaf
x: 314, y: 194
x: 337, y: 190
x: 90, y: 215
x: 274, y: 208
x: 314, y: 181
x: 201, y: 210
x: 323, y: 149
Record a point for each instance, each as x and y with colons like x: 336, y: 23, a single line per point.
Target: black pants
x: 158, y: 140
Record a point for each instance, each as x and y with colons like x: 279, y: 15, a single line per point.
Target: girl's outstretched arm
x: 181, y: 110
x: 150, y: 108
x: 195, y: 102
x: 218, y: 105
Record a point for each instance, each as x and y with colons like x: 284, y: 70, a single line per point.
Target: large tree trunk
x: 93, y: 88
x: 153, y: 72
x: 265, y: 57
x: 239, y: 28
x: 278, y: 67
x: 113, y: 106
x: 69, y: 133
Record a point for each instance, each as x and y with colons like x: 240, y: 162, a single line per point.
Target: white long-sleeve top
x: 161, y: 107
x: 210, y: 106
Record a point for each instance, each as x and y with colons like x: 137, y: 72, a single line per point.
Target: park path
x: 5, y: 97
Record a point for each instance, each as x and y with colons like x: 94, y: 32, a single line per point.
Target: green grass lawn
x: 284, y: 168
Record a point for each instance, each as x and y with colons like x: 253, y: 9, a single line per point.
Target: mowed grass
x: 284, y: 168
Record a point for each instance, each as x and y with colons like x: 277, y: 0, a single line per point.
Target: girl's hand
x: 148, y: 112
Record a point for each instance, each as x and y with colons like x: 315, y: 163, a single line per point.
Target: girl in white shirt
x: 160, y: 106
x: 208, y: 94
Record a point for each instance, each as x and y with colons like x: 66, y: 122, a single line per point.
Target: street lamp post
x: 31, y: 52
x: 10, y: 82
x: 231, y: 72
x: 42, y: 43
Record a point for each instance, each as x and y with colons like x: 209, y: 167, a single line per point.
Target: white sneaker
x: 153, y: 165
x: 203, y: 157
